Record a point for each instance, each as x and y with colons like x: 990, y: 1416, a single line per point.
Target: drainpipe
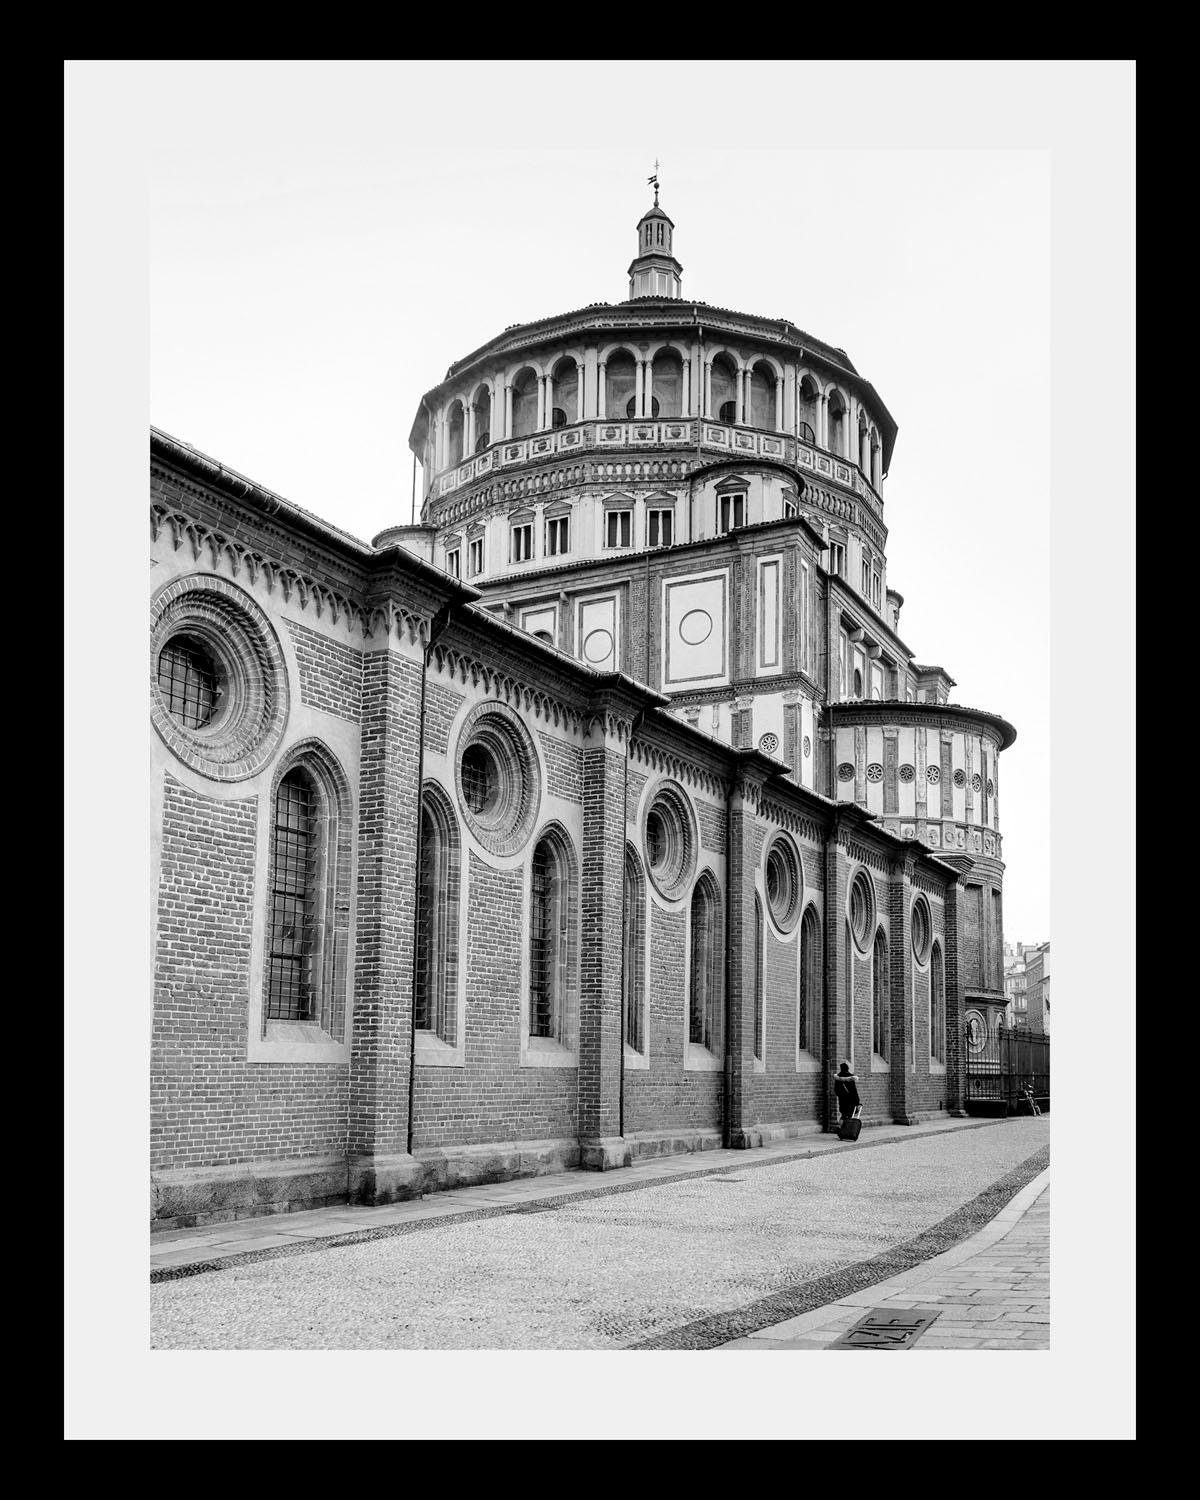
x: 437, y: 626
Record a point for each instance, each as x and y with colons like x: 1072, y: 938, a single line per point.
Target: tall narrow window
x: 557, y: 535
x: 759, y: 1001
x: 635, y: 920
x: 810, y: 984
x: 881, y: 1010
x: 475, y: 556
x: 435, y: 997
x: 618, y: 528
x: 291, y: 989
x: 453, y: 565
x: 731, y: 512
x: 937, y: 1006
x: 522, y: 543
x: 837, y: 559
x: 704, y: 996
x: 548, y: 942
x: 659, y: 528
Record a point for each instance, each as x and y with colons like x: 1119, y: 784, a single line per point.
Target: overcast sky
x: 324, y: 243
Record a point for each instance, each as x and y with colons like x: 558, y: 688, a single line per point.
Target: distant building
x: 1037, y: 985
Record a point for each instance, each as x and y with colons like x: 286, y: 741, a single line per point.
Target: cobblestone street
x: 611, y: 1268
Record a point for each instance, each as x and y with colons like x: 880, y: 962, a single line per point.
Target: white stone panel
x: 596, y: 633
x: 695, y: 629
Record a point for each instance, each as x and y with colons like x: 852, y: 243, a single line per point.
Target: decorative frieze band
x: 794, y: 822
x: 666, y: 764
x: 468, y: 670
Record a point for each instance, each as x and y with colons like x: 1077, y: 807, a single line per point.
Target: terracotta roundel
x: 874, y: 771
x: 976, y: 783
x: 768, y: 744
x: 933, y: 774
x: 845, y: 771
x: 907, y: 773
x: 808, y: 747
x: 960, y: 778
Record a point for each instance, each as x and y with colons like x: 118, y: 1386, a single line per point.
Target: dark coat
x: 845, y: 1090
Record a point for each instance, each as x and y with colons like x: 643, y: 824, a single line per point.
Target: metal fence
x: 1007, y: 1067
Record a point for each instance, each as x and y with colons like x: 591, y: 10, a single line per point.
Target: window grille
x: 810, y: 984
x: 702, y: 1013
x: 880, y: 996
x: 293, y: 900
x: 479, y: 779
x: 187, y: 679
x: 635, y: 917
x: 937, y: 1007
x: 547, y: 943
x: 759, y: 1006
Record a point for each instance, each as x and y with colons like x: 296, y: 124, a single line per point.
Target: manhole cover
x: 888, y: 1328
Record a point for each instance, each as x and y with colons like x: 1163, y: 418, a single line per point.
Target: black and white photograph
x: 598, y: 749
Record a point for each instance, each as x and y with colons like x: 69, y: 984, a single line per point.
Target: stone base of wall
x: 496, y: 1161
x: 784, y: 1130
x: 385, y: 1179
x: 191, y: 1196
x: 671, y: 1142
x: 919, y: 1116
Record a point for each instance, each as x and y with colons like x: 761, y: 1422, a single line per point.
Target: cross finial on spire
x: 654, y: 181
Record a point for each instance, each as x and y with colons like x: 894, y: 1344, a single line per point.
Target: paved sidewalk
x: 991, y: 1292
x: 179, y: 1248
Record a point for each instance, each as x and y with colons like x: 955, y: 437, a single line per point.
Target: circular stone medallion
x: 696, y: 627
x: 598, y: 646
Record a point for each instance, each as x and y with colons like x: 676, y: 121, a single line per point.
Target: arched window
x: 620, y: 383
x: 524, y: 403
x: 667, y: 383
x: 759, y: 1002
x: 482, y: 408
x: 705, y: 987
x: 881, y: 1009
x: 937, y: 1006
x: 838, y: 424
x: 435, y: 998
x: 762, y: 397
x: 723, y: 387
x: 454, y: 428
x: 635, y: 954
x: 565, y: 394
x: 806, y: 408
x: 549, y: 941
x: 858, y: 683
x: 810, y: 983
x: 308, y: 900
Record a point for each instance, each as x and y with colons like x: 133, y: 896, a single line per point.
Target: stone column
x: 639, y: 388
x: 648, y: 390
x: 707, y: 411
x: 791, y: 423
x: 601, y: 395
x: 581, y: 389
x: 685, y: 404
x: 508, y: 410
x: 779, y: 427
x: 380, y: 1168
x: 822, y: 415
x: 469, y: 428
x: 542, y: 419
x: 601, y: 895
x: 739, y: 387
x: 739, y: 1009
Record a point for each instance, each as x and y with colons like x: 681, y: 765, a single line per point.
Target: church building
x: 598, y: 815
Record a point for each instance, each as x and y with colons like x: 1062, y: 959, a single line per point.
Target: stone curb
x: 809, y: 1294
x: 438, y: 1216
x: 908, y: 1282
